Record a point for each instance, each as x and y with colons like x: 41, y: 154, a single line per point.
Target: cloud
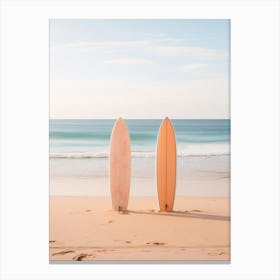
x: 106, y: 46
x: 153, y: 46
x: 188, y: 52
x: 130, y: 61
x: 194, y: 67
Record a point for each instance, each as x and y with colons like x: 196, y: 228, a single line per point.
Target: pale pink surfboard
x: 166, y: 166
x: 120, y: 163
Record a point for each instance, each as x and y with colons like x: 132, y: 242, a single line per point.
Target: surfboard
x: 120, y: 165
x: 166, y: 166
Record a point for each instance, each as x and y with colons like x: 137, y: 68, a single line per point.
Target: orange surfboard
x: 166, y: 166
x: 120, y: 165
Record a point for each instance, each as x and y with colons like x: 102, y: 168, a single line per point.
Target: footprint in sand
x: 155, y: 243
x: 195, y: 210
x: 82, y: 257
x: 127, y: 241
x: 52, y: 241
x: 158, y: 243
x: 216, y: 253
x: 88, y: 210
x: 108, y: 222
x: 63, y: 253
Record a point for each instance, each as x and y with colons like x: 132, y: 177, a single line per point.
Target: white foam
x: 183, y: 150
x: 203, y: 149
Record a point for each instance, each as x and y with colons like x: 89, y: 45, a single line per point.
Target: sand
x: 86, y: 229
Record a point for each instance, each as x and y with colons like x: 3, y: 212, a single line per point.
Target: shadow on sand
x: 182, y: 214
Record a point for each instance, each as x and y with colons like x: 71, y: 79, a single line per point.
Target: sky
x: 139, y: 68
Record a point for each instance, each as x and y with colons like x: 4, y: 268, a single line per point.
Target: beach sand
x: 86, y: 229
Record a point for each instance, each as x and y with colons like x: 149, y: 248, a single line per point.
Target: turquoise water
x: 91, y: 138
x: 79, y: 149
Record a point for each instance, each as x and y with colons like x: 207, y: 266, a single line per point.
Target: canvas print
x: 139, y: 135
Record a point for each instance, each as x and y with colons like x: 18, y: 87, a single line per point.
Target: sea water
x: 80, y: 148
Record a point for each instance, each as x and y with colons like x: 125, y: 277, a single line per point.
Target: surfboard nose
x: 121, y: 122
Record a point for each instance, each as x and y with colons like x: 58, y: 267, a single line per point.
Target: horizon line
x: 139, y: 118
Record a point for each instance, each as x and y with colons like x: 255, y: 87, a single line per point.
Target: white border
x: 255, y: 138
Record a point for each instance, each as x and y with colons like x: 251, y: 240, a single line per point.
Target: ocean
x: 80, y: 148
x: 91, y: 138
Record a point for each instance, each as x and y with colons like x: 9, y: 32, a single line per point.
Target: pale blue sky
x: 139, y: 68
